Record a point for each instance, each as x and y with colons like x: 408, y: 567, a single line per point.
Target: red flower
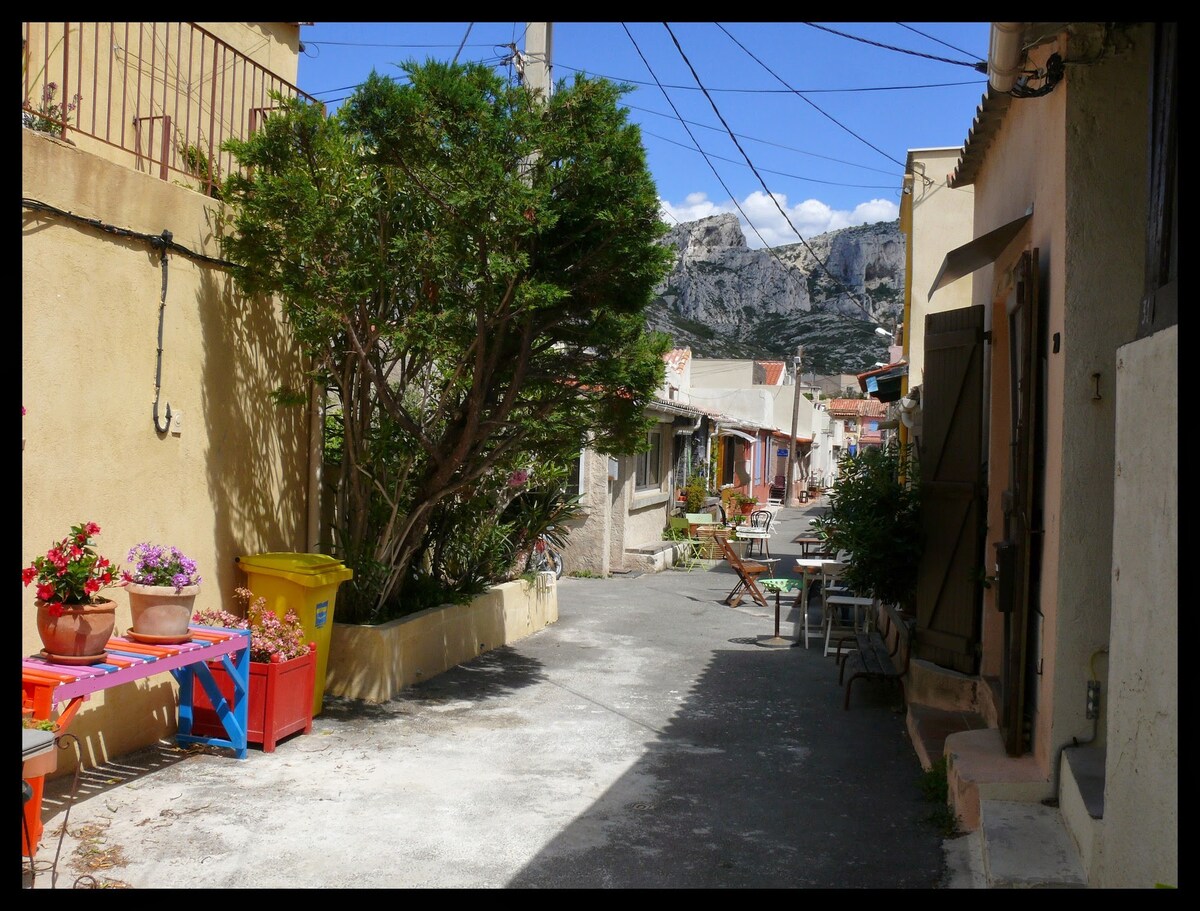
x: 70, y: 572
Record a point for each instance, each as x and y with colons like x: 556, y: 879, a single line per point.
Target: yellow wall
x: 233, y: 481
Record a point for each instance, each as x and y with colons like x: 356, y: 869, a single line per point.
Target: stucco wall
x: 1024, y: 167
x: 714, y: 371
x: 274, y: 45
x: 1140, y: 845
x: 374, y: 663
x: 942, y: 220
x: 648, y: 509
x: 233, y: 481
x: 1104, y: 268
x: 1077, y: 155
x: 587, y: 546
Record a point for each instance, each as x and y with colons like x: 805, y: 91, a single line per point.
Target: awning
x: 730, y: 432
x: 978, y: 253
x: 883, y: 383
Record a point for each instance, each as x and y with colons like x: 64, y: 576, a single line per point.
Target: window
x: 575, y: 478
x: 648, y: 472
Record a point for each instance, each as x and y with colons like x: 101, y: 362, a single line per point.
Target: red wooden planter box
x: 281, y: 700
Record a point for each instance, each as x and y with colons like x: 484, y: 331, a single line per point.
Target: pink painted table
x: 45, y: 684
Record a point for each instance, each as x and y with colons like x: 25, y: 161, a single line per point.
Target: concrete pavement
x: 645, y: 740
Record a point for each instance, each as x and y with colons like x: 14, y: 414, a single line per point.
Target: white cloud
x: 694, y: 207
x: 810, y: 217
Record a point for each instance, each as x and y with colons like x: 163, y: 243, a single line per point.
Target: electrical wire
x: 692, y: 88
x: 782, y: 81
x: 470, y: 25
x: 778, y: 145
x: 156, y: 241
x: 889, y: 47
x: 939, y: 41
x: 716, y: 173
x: 838, y: 282
x: 830, y: 183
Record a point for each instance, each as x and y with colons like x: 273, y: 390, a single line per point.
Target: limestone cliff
x: 725, y: 300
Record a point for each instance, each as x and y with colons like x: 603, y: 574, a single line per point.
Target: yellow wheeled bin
x: 308, y: 584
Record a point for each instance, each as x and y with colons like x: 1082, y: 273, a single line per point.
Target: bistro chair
x: 680, y: 531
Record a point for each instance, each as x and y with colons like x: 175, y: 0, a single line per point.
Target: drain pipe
x: 1004, y: 55
x: 316, y: 458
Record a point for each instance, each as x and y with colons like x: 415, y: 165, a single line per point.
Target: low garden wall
x: 374, y: 663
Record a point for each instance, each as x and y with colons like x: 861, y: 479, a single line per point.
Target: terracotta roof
x: 772, y: 372
x: 866, y: 408
x: 677, y: 358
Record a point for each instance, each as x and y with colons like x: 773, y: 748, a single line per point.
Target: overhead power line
x: 899, y: 50
x: 807, y: 100
x: 837, y: 281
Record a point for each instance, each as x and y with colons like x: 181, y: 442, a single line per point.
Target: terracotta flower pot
x: 159, y: 613
x: 79, y: 634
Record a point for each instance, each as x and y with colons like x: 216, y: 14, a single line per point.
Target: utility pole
x: 539, y: 47
x: 533, y: 69
x: 790, y: 498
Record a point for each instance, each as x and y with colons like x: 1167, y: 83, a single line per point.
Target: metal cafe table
x: 45, y: 684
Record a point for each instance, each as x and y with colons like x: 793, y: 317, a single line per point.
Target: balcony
x: 160, y: 97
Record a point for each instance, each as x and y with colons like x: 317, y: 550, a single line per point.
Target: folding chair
x: 689, y: 550
x: 747, y: 572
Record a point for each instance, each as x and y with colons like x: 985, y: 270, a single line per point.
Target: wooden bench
x: 870, y: 657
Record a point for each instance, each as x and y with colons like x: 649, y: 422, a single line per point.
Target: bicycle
x: 545, y: 557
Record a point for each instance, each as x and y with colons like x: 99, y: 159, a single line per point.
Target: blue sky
x: 803, y: 127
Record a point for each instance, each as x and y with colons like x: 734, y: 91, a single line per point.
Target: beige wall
x: 113, y: 65
x: 374, y: 663
x: 274, y: 45
x: 587, y: 546
x: 713, y: 371
x: 1025, y: 166
x: 1140, y: 843
x: 942, y: 218
x: 647, y: 510
x: 1078, y: 155
x: 231, y: 482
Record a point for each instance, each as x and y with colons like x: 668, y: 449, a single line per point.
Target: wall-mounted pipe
x: 1004, y: 55
x: 161, y: 243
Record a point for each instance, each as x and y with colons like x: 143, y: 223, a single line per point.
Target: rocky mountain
x: 723, y: 299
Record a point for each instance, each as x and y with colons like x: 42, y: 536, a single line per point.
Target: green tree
x: 875, y: 515
x: 468, y: 269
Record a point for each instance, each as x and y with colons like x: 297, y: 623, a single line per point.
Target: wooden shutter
x: 950, y: 453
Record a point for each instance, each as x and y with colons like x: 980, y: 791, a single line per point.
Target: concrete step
x: 1027, y: 846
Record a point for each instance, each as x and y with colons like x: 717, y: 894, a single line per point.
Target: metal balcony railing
x: 161, y: 97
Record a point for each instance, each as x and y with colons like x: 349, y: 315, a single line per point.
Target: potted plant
x: 44, y: 762
x: 743, y: 503
x: 74, y: 621
x: 282, y: 674
x: 162, y: 587
x: 875, y: 516
x: 695, y: 493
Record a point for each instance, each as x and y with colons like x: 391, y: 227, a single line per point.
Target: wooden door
x: 1019, y: 554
